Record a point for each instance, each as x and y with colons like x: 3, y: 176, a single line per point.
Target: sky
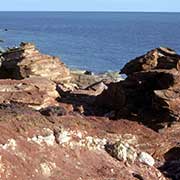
x: 91, y: 5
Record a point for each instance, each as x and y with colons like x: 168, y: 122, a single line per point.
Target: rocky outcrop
x: 26, y: 61
x: 70, y: 147
x: 151, y: 91
x: 34, y: 92
x: 64, y: 137
x: 160, y: 58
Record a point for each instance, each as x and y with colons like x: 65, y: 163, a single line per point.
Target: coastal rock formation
x: 71, y: 147
x: 160, y: 58
x: 151, y: 91
x: 84, y: 80
x: 35, y: 92
x: 55, y: 130
x: 26, y: 61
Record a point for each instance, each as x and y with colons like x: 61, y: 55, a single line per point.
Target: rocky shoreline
x: 58, y: 123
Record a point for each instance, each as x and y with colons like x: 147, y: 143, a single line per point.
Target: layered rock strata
x: 35, y: 92
x: 151, y: 91
x: 26, y: 61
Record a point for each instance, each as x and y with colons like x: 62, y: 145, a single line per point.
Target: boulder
x: 159, y: 58
x: 151, y: 91
x: 26, y: 61
x: 35, y: 92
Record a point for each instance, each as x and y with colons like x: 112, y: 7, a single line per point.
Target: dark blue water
x: 93, y: 41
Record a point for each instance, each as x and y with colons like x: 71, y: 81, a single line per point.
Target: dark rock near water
x: 151, y: 91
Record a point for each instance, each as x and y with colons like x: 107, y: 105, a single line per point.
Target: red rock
x: 160, y: 58
x: 27, y: 142
x: 35, y: 92
x: 150, y: 93
x: 67, y: 107
x: 26, y: 61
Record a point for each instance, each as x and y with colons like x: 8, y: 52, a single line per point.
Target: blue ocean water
x: 96, y: 41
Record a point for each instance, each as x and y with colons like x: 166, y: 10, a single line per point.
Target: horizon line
x: 91, y: 11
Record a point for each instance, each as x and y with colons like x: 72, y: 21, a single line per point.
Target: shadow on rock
x: 82, y: 103
x: 171, y: 167
x: 53, y: 111
x: 150, y: 93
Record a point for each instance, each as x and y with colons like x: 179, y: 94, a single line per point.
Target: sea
x: 95, y: 41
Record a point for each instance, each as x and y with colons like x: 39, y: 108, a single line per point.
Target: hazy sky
x: 90, y: 5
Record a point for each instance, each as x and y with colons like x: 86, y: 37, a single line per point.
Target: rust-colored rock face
x: 52, y: 129
x: 71, y: 148
x: 160, y: 58
x: 26, y: 61
x: 35, y: 92
x: 151, y: 91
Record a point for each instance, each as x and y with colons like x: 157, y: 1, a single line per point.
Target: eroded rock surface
x: 65, y: 137
x: 72, y: 147
x: 160, y: 58
x: 26, y: 61
x: 151, y: 91
x: 35, y: 92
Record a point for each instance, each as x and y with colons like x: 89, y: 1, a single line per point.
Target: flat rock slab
x: 36, y: 92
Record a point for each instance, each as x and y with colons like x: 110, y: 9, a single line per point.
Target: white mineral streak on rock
x: 11, y: 144
x: 146, y: 159
x: 47, y: 168
x: 64, y: 137
x: 79, y: 134
x: 79, y: 139
x: 49, y: 139
x: 70, y: 138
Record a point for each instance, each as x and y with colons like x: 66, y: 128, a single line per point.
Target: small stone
x: 63, y: 136
x: 146, y: 159
x: 122, y: 151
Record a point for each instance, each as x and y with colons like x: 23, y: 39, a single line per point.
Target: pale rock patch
x: 146, y: 159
